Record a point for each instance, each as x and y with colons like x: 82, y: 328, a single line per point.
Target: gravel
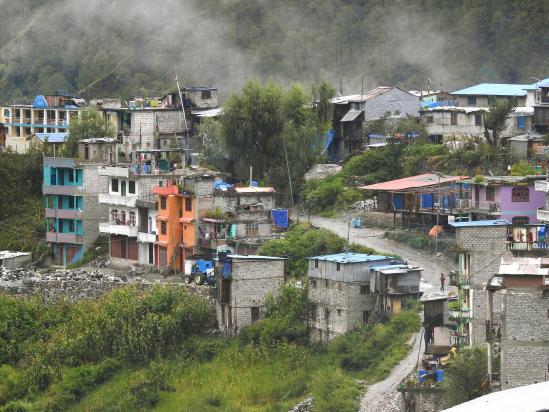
x: 21, y: 274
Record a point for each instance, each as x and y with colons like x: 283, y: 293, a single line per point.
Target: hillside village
x: 138, y: 196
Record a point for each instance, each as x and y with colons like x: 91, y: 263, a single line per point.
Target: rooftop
x: 494, y: 89
x: 480, y: 223
x: 505, y: 180
x: 255, y: 257
x: 433, y: 296
x: 396, y: 268
x: 349, y: 257
x: 524, y: 266
x: 6, y: 254
x: 424, y: 180
x: 529, y: 398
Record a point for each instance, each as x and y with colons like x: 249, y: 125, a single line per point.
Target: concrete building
x: 463, y: 116
x: 73, y: 212
x: 243, y: 285
x: 542, y: 186
x: 341, y: 292
x: 47, y: 114
x: 514, y: 198
x: 132, y: 217
x: 523, y: 329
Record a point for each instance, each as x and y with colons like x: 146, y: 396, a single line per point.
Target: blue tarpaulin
x: 328, y: 138
x: 280, y: 217
x: 221, y: 185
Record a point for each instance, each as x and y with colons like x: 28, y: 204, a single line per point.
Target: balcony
x: 129, y: 201
x: 64, y: 213
x: 543, y: 215
x: 62, y: 190
x: 118, y: 229
x: 541, y: 186
x: 146, y: 237
x: 114, y: 171
x: 486, y: 207
x: 55, y: 237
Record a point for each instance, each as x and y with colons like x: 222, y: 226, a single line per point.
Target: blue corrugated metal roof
x: 495, y: 89
x: 349, y: 257
x: 542, y: 83
x: 393, y: 266
x: 52, y: 137
x: 497, y: 222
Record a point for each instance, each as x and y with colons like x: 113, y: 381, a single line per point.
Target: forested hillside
x: 117, y: 48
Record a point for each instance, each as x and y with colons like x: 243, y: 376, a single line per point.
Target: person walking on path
x: 442, y: 280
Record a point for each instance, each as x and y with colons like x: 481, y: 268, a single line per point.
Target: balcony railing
x: 543, y: 215
x: 62, y: 190
x: 56, y: 237
x: 64, y: 213
x: 129, y: 201
x: 488, y: 206
x: 113, y: 228
x: 541, y: 185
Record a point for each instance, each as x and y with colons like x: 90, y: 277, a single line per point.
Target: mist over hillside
x: 105, y: 48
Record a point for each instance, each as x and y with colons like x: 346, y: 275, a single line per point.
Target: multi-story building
x: 195, y: 218
x: 543, y: 211
x: 521, y: 334
x: 340, y: 290
x: 514, y: 198
x: 132, y: 217
x: 463, y: 116
x: 243, y: 284
x: 47, y: 114
x: 72, y: 210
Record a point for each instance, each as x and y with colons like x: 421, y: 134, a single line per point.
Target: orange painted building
x: 177, y: 229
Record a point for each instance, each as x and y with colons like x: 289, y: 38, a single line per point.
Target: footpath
x: 383, y: 396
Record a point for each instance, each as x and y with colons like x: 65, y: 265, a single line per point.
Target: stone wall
x: 486, y: 245
x: 423, y: 400
x: 524, y: 339
x: 93, y: 212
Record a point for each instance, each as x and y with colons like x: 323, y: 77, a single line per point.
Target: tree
x: 90, y: 124
x: 467, y: 376
x: 323, y: 92
x: 495, y: 120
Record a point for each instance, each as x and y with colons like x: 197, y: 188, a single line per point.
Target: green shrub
x: 17, y: 406
x: 202, y: 349
x: 145, y: 386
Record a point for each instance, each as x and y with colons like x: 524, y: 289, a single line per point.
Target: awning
x: 351, y: 115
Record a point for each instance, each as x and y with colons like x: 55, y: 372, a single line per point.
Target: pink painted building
x: 513, y: 198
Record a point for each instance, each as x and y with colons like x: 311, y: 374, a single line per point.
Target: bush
x: 467, y: 376
x: 144, y: 386
x: 17, y: 406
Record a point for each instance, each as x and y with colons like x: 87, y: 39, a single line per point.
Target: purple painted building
x: 506, y: 197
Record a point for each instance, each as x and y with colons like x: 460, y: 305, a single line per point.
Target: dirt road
x: 383, y: 396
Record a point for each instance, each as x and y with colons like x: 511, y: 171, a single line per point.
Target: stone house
x: 340, y: 290
x: 522, y: 333
x: 243, y: 284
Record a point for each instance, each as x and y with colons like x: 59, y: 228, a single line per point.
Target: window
x: 521, y: 122
x: 162, y: 228
x: 365, y: 316
x: 478, y: 119
x: 252, y: 229
x: 71, y: 175
x: 430, y: 119
x: 6, y: 112
x: 338, y: 267
x: 131, y: 218
x: 71, y: 226
x: 255, y: 313
x: 313, y: 312
x: 114, y: 185
x: 365, y: 289
x: 206, y: 94
x: 71, y: 202
x: 313, y: 283
x: 520, y: 220
x: 465, y: 264
x: 490, y: 194
x: 453, y: 118
x: 472, y: 100
x: 188, y: 204
x: 131, y: 187
x: 520, y: 194
x: 123, y: 217
x: 326, y: 313
x: 163, y: 202
x: 316, y: 263
x: 114, y: 215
